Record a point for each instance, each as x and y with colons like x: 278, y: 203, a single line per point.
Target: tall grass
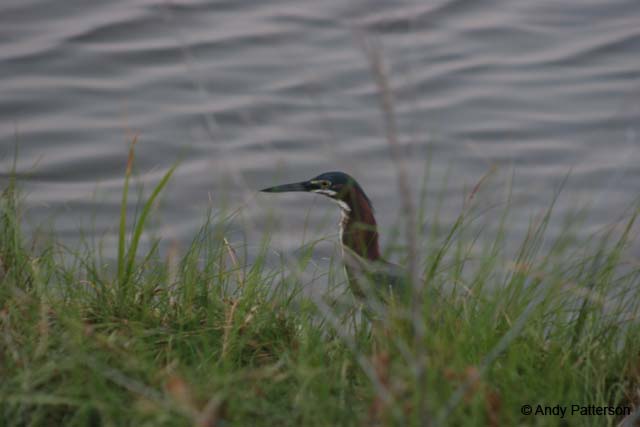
x: 127, y: 255
x: 203, y: 339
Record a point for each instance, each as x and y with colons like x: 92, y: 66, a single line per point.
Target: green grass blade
x: 137, y: 232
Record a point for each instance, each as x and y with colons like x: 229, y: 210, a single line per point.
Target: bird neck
x: 359, y: 231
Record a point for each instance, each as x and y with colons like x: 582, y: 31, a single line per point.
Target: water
x: 248, y: 94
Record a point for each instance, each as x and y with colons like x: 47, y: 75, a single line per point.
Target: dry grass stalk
x: 373, y: 52
x: 234, y: 260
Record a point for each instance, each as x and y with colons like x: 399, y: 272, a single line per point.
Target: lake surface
x: 249, y: 94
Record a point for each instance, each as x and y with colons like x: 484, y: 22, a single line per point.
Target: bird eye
x: 325, y: 184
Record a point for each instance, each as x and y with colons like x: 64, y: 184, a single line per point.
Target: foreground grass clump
x: 206, y: 341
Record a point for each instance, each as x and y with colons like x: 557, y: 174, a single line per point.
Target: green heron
x: 358, y: 232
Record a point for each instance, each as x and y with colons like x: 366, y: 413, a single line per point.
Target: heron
x: 365, y: 267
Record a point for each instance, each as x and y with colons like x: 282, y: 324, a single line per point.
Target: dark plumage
x: 358, y: 231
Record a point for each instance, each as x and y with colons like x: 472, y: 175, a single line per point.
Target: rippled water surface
x: 246, y: 94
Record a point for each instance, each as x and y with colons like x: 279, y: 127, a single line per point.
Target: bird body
x: 358, y: 231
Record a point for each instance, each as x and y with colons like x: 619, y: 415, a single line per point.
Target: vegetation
x: 209, y: 341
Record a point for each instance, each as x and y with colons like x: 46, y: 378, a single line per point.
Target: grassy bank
x: 205, y: 340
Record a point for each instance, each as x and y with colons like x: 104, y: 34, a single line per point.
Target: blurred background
x: 249, y: 94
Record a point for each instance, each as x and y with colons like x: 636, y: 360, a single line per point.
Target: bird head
x: 339, y: 186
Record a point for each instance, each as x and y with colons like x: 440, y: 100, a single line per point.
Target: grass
x: 206, y: 340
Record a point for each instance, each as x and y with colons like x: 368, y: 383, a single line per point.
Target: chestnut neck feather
x: 359, y: 229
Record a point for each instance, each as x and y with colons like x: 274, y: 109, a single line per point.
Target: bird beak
x: 296, y: 186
